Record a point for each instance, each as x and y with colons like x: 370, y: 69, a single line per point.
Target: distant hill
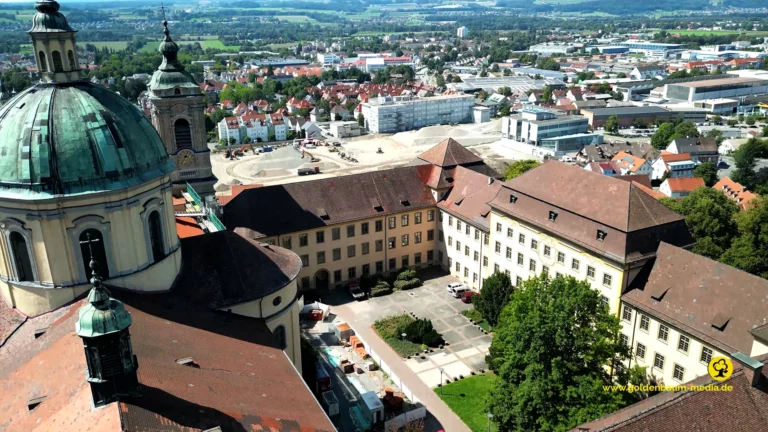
x: 629, y: 7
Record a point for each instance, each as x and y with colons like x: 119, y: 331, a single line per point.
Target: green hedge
x: 419, y: 334
x: 406, y: 284
x: 380, y: 289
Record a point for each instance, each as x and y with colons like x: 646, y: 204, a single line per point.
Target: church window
x: 43, y: 63
x: 21, y: 257
x: 92, y: 240
x: 177, y: 91
x: 58, y: 66
x: 156, y: 236
x: 71, y: 57
x: 182, y: 133
x: 280, y: 336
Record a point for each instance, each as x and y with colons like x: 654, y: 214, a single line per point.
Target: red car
x: 467, y: 296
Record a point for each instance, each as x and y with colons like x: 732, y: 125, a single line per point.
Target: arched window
x: 71, y: 56
x: 156, y: 236
x: 92, y: 240
x: 57, y: 65
x: 43, y: 63
x: 177, y: 91
x: 280, y: 336
x: 182, y: 133
x: 21, y: 257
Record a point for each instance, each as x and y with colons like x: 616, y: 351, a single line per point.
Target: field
x: 467, y: 398
x: 717, y: 32
x: 217, y: 44
x: 296, y: 18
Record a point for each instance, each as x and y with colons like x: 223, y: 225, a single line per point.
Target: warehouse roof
x: 625, y: 111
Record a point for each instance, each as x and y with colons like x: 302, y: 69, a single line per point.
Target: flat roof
x: 633, y: 110
x: 721, y: 81
x: 565, y: 119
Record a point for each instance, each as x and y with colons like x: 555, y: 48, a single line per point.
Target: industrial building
x: 541, y: 132
x: 518, y: 84
x: 648, y: 114
x: 404, y: 113
x: 715, y: 89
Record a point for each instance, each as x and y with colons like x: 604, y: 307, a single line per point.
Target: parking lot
x: 466, y: 346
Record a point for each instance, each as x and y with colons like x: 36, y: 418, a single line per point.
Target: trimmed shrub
x: 406, y: 275
x: 380, y: 289
x: 421, y: 331
x: 406, y: 284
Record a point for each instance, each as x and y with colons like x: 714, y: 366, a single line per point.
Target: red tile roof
x: 684, y: 184
x: 449, y: 153
x: 10, y: 320
x: 736, y: 192
x: 470, y: 196
x: 188, y: 227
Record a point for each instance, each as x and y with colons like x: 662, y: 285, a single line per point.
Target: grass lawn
x: 296, y: 18
x: 474, y: 315
x: 717, y: 32
x: 467, y: 398
x: 116, y: 45
x: 152, y: 46
x: 387, y: 329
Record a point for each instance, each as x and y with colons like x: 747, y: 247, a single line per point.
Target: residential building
x: 603, y: 168
x: 680, y: 187
x: 258, y: 127
x: 606, y: 152
x: 462, y: 32
x: 404, y: 113
x: 563, y: 220
x: 628, y: 164
x: 328, y: 60
x: 737, y: 193
x: 677, y: 165
x: 645, y: 72
x: 731, y: 145
x: 701, y: 149
x: 680, y: 327
x: 541, y: 132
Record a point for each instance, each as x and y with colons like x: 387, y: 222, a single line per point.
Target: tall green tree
x: 546, y: 94
x: 550, y: 349
x: 494, y: 295
x: 708, y: 172
x: 709, y: 215
x: 661, y: 138
x: 749, y: 251
x: 612, y: 124
x: 520, y: 167
x: 745, y: 160
x: 687, y: 129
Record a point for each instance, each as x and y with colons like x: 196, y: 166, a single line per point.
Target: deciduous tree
x: 709, y: 215
x: 494, y: 295
x: 749, y: 251
x: 708, y: 172
x: 612, y: 124
x: 517, y: 168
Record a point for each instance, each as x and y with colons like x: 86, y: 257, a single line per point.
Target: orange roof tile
x: 683, y: 184
x: 188, y: 227
x: 736, y: 192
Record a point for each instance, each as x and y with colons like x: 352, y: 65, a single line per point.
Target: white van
x: 453, y: 286
x: 457, y: 292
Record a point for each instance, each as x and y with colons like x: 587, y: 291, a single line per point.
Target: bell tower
x: 178, y: 115
x: 53, y: 42
x: 103, y: 326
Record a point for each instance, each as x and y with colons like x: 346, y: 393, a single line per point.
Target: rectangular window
x: 430, y: 255
x: 624, y: 339
x: 521, y: 238
x: 364, y: 228
x: 706, y: 355
x: 379, y: 245
x: 575, y: 264
x: 645, y: 323
x: 365, y: 248
x: 518, y: 281
x: 458, y: 245
x: 498, y: 247
x: 458, y: 267
x: 337, y: 276
x: 532, y: 265
x: 466, y: 250
x: 441, y: 236
x: 404, y: 220
x: 545, y: 270
x: 450, y: 241
x: 337, y: 254
x: 392, y: 222
x: 392, y: 263
x: 510, y: 233
x: 663, y: 333
x: 404, y: 239
x: 351, y: 272
x: 640, y: 351
x: 430, y: 215
x: 476, y: 256
x: 458, y: 225
x: 335, y: 233
x: 379, y: 224
x: 450, y: 221
x: 498, y: 227
x: 477, y: 234
x: 404, y: 260
x: 604, y: 301
x: 303, y: 240
x: 485, y: 261
x: 320, y: 237
x: 417, y: 237
x: 590, y: 272
x: 558, y: 274
x: 466, y: 230
x: 379, y: 266
x: 658, y: 361
x: 430, y: 235
x: 547, y: 251
x: 495, y: 268
x: 450, y: 263
x: 287, y: 242
x: 366, y: 269
x: 321, y: 257
x: 391, y: 242
x: 507, y: 272
x: 417, y: 218
x: 679, y: 373
x: 561, y: 258
x: 417, y: 258
x: 485, y: 239
x: 466, y: 272
x: 305, y: 260
x: 350, y: 231
x: 683, y: 344
x: 534, y: 244
x: 474, y: 277
x: 520, y: 259
x: 509, y: 253
x: 607, y: 279
x: 626, y: 315
x: 350, y: 251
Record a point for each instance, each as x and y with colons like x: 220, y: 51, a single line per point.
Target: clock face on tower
x: 185, y: 158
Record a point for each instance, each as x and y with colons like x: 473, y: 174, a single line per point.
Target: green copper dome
x: 171, y: 74
x: 103, y: 314
x: 75, y: 138
x: 48, y: 19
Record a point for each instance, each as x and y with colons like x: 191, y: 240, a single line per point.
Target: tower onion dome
x: 102, y: 315
x: 170, y: 50
x: 49, y: 19
x: 171, y: 77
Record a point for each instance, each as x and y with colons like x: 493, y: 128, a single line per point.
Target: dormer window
x: 512, y: 198
x: 601, y: 235
x: 552, y: 215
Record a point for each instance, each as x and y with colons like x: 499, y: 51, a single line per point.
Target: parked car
x: 452, y: 286
x: 354, y: 289
x: 458, y: 292
x: 467, y: 296
x: 566, y: 159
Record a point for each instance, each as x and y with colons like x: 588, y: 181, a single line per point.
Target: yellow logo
x: 720, y: 368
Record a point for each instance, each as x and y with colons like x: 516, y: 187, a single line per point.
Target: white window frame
x: 11, y: 225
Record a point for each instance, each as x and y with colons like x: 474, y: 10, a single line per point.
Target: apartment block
x: 404, y: 113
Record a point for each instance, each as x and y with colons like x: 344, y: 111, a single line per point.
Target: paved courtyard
x: 466, y: 346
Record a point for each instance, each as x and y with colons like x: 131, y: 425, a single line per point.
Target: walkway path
x: 448, y: 419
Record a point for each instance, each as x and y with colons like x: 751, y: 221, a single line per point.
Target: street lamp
x: 490, y: 416
x: 441, y: 381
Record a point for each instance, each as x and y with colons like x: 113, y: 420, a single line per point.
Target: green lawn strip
x: 475, y: 316
x: 467, y: 398
x: 387, y: 329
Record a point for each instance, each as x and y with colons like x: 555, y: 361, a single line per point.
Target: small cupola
x: 103, y: 325
x: 53, y: 41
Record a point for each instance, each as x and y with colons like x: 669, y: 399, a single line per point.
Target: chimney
x: 753, y: 369
x: 490, y: 180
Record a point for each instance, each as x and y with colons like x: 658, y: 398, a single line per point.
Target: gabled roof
x: 628, y: 161
x: 449, y: 153
x: 700, y: 291
x: 684, y: 184
x: 470, y: 196
x: 675, y: 157
x: 736, y: 192
x: 695, y: 145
